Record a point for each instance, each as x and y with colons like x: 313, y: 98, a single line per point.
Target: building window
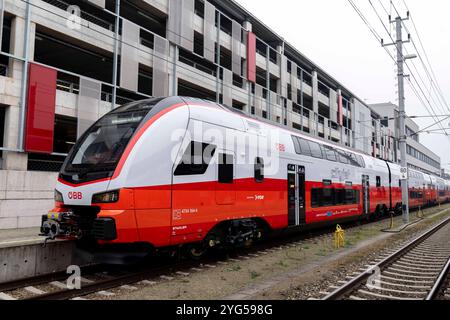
x: 226, y: 168
x: 196, y: 159
x: 65, y: 134
x: 259, y: 170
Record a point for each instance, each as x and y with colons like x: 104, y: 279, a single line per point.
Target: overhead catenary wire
x: 378, y: 37
x: 432, y: 112
x: 434, y: 86
x: 427, y: 99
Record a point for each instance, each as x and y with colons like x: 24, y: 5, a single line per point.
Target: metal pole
x: 174, y: 70
x: 268, y: 96
x: 401, y: 100
x: 23, y: 95
x: 2, y: 14
x: 218, y: 58
x: 116, y: 50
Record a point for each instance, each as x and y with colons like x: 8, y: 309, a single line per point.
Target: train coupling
x: 59, y: 224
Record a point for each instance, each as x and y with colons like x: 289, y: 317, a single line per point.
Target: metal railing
x: 74, y: 88
x: 197, y: 65
x: 67, y: 86
x: 83, y: 14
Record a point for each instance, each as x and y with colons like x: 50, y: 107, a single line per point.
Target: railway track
x: 419, y: 270
x: 98, y: 279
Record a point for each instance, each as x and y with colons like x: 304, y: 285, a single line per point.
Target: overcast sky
x: 331, y: 34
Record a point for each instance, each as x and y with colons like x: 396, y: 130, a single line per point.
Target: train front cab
x: 114, y: 190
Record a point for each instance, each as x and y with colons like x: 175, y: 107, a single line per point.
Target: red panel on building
x: 251, y: 57
x: 40, y: 118
x: 340, y: 111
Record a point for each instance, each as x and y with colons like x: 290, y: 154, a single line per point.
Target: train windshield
x: 100, y: 148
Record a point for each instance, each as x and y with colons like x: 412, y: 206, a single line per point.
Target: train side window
x: 304, y: 145
x: 346, y: 196
x: 296, y: 145
x: 378, y: 182
x: 326, y: 197
x: 330, y: 154
x: 322, y: 197
x: 353, y: 160
x: 339, y: 195
x: 226, y: 168
x: 315, y: 197
x: 196, y: 159
x: 342, y: 157
x: 259, y: 170
x: 351, y: 196
x: 316, y: 150
x: 361, y: 162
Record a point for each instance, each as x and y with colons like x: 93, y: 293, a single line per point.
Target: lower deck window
x: 327, y: 197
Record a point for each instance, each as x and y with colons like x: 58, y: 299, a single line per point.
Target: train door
x: 225, y: 186
x: 366, y: 194
x: 296, y: 195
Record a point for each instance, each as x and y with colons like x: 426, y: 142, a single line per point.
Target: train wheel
x: 196, y: 252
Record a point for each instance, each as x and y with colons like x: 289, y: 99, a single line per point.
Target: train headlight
x: 106, y: 197
x: 58, y: 196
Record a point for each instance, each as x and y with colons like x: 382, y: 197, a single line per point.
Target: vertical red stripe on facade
x: 40, y: 118
x: 251, y: 57
x: 340, y: 111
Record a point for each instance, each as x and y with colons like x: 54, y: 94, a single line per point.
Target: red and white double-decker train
x: 162, y: 173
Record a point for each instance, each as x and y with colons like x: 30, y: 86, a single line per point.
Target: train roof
x: 161, y: 103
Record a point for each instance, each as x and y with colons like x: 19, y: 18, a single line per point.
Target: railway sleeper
x: 409, y: 272
x: 400, y: 293
x: 400, y: 275
x: 422, y: 266
x: 390, y: 285
x: 378, y: 296
x: 421, y: 269
x: 429, y: 282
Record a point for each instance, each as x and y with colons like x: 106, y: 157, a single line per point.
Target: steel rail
x: 349, y: 287
x: 45, y: 278
x: 440, y: 282
x: 97, y: 286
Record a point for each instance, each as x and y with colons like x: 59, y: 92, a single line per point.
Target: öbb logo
x: 75, y: 195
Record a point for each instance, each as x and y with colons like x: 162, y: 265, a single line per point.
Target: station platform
x: 23, y: 254
x: 20, y: 237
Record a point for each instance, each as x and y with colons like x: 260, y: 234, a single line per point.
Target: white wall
x: 24, y: 197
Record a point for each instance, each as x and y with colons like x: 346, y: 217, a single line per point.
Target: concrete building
x: 419, y: 157
x: 81, y: 58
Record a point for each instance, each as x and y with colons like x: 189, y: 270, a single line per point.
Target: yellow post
x: 392, y: 222
x: 339, y: 237
x: 420, y: 213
